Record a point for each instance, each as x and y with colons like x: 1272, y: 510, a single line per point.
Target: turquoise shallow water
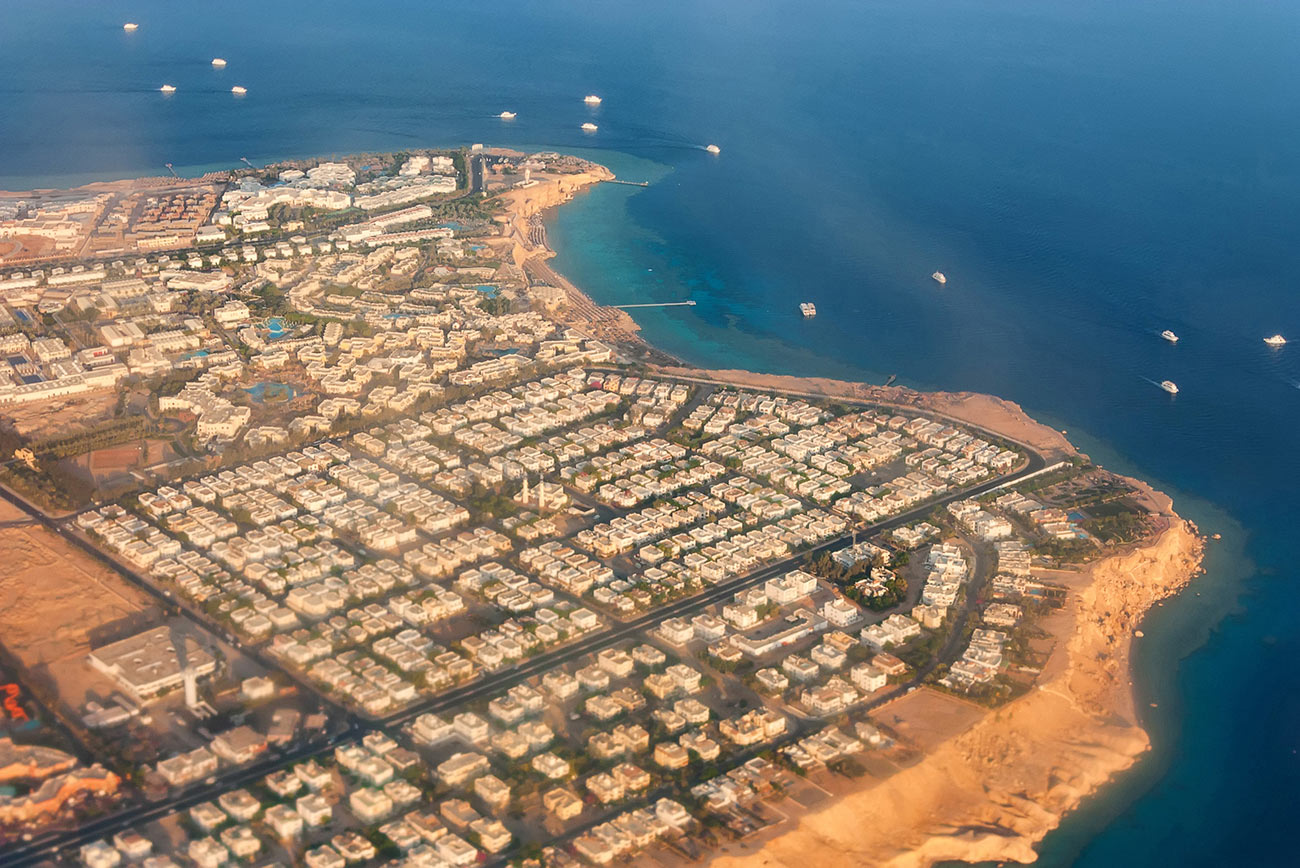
x: 1087, y: 174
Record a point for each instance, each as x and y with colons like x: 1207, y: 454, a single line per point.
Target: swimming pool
x: 272, y: 392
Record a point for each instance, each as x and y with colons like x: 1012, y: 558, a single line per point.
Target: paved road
x: 508, y: 678
x: 47, y: 846
x: 802, y: 725
x: 169, y: 603
x: 50, y: 845
x: 474, y: 184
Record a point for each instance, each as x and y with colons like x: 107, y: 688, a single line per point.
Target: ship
x: 130, y: 26
x: 713, y: 149
x: 1169, y: 386
x: 939, y: 277
x: 507, y: 116
x: 1169, y: 336
x: 589, y: 127
x: 218, y: 62
x: 1275, y: 341
x: 238, y: 90
x: 808, y: 308
x: 591, y: 99
x: 168, y: 88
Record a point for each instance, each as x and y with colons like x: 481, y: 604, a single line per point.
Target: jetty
x: 628, y: 183
x: 690, y: 303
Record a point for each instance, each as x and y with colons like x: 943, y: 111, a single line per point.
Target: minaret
x: 541, y: 494
x: 523, y: 496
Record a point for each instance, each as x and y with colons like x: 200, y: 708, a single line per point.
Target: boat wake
x: 1167, y: 385
x: 660, y: 138
x: 401, y: 133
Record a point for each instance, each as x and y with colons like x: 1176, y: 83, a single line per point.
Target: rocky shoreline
x: 995, y: 790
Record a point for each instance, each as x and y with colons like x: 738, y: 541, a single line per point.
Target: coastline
x: 524, y: 243
x: 1083, y: 192
x: 996, y: 415
x: 993, y: 791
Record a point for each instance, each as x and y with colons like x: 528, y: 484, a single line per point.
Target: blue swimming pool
x: 273, y: 392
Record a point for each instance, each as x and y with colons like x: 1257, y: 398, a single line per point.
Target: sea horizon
x: 1082, y: 175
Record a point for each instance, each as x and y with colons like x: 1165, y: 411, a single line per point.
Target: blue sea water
x: 1086, y: 173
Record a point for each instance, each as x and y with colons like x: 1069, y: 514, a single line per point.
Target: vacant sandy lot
x: 24, y: 247
x: 926, y: 718
x: 55, y: 597
x: 52, y: 418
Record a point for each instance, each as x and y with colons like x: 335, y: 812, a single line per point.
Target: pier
x: 628, y: 183
x: 654, y: 304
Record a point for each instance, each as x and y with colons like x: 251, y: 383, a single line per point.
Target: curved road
x: 49, y: 845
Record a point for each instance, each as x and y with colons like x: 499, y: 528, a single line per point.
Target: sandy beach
x: 995, y: 787
x: 524, y: 243
x: 992, y: 792
x: 990, y: 784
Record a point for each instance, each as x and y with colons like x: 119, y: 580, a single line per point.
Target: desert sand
x: 989, y: 786
x: 47, y: 419
x: 123, y: 185
x: 55, y: 599
x: 992, y: 784
x: 992, y: 792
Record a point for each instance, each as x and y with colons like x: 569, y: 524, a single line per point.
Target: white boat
x: 808, y: 308
x: 168, y: 88
x: 130, y: 27
x: 589, y: 127
x: 713, y: 149
x: 1169, y: 336
x: 507, y: 116
x: 939, y: 277
x: 238, y: 90
x: 591, y: 99
x: 1275, y: 341
x: 218, y: 62
x: 1169, y: 386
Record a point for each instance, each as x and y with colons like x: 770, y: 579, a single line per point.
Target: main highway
x: 132, y: 816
